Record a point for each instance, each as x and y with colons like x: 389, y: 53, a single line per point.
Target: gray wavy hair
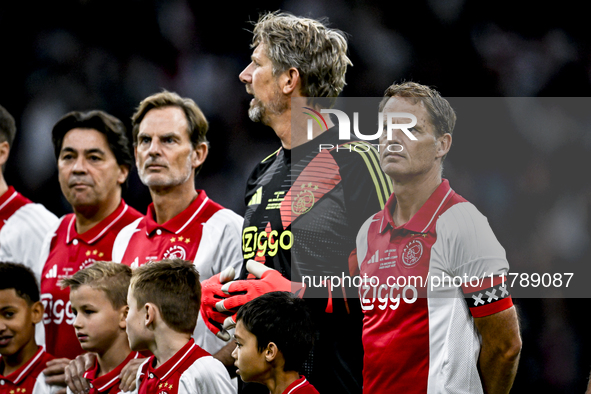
x: 316, y: 51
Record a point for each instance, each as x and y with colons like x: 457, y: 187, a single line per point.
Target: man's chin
x: 255, y: 113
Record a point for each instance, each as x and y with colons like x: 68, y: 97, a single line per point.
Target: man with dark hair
x: 274, y: 333
x: 460, y: 337
x: 93, y: 159
x: 170, y: 146
x: 304, y: 205
x: 23, y: 225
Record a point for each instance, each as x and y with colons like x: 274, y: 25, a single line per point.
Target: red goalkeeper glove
x: 211, y: 293
x: 238, y: 293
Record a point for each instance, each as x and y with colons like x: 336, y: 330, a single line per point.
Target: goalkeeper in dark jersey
x: 304, y: 205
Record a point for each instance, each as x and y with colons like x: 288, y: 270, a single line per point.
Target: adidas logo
x: 256, y: 199
x: 375, y: 258
x: 52, y: 272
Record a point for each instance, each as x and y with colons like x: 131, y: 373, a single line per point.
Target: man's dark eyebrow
x: 86, y: 151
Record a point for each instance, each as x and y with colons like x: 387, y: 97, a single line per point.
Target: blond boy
x: 164, y: 299
x: 98, y: 295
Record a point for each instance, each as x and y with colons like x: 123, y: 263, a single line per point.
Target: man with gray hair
x: 304, y: 205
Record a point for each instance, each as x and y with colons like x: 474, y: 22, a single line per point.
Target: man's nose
x: 246, y: 74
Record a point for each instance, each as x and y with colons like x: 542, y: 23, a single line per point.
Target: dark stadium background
x: 532, y: 183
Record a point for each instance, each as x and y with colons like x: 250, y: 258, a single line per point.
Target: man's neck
x: 292, y: 126
x: 167, y: 343
x: 16, y: 361
x: 411, y: 195
x: 281, y: 381
x: 168, y: 203
x: 89, y: 216
x: 114, y: 356
x: 3, y: 185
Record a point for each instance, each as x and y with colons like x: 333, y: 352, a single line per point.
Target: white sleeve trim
x: 361, y: 241
x: 122, y: 240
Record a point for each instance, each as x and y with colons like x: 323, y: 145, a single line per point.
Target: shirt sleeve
x: 221, y: 244
x: 469, y: 249
x: 21, y: 237
x: 206, y: 375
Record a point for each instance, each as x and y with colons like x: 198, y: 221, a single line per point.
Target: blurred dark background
x: 527, y: 170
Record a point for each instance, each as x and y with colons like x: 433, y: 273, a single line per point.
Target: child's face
x: 252, y: 365
x: 135, y: 323
x: 98, y: 324
x: 17, y: 322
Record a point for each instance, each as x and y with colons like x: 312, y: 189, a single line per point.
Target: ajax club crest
x: 412, y: 253
x: 304, y: 200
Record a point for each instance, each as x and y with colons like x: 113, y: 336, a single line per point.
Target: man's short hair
x: 174, y: 287
x: 284, y: 319
x: 21, y: 279
x: 443, y: 117
x: 196, y: 121
x: 113, y: 129
x: 316, y: 51
x: 7, y: 126
x: 112, y: 278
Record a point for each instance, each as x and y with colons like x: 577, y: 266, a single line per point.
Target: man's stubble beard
x: 259, y: 112
x: 169, y: 181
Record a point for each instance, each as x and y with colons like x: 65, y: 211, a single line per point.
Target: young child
x: 98, y: 295
x: 164, y: 299
x: 21, y: 361
x: 274, y: 334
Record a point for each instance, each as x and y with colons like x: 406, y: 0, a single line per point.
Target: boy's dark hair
x: 284, y: 319
x: 21, y: 279
x: 174, y: 287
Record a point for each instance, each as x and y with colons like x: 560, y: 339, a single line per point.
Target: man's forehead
x: 90, y: 139
x: 166, y: 117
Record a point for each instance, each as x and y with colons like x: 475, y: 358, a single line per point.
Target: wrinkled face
x: 89, y: 175
x: 258, y: 76
x: 98, y: 324
x: 251, y: 363
x: 135, y: 321
x: 418, y: 157
x: 164, y: 155
x: 17, y: 322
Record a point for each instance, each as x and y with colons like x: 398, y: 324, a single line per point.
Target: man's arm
x: 499, y: 354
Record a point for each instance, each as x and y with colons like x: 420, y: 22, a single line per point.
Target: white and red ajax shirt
x: 109, y: 382
x: 66, y: 252
x: 23, y: 226
x: 423, y: 283
x: 205, y: 232
x: 29, y: 378
x: 190, y: 371
x: 300, y: 386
